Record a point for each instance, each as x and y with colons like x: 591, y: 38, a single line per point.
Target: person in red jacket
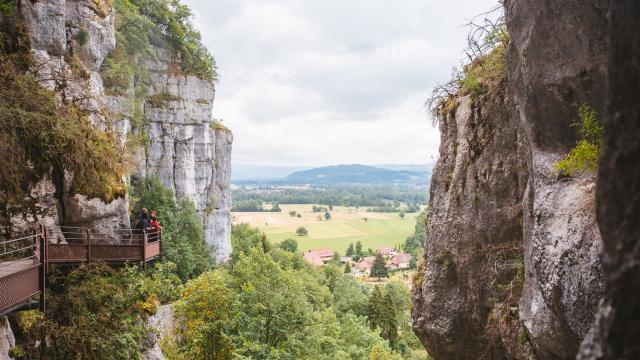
x: 154, y: 226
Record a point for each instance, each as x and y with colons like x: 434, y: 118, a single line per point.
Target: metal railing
x: 77, y: 244
x: 24, y: 261
x: 22, y: 273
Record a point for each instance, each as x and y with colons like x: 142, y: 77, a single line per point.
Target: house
x: 387, y: 251
x: 363, y: 267
x: 319, y: 257
x: 313, y: 258
x: 400, y: 261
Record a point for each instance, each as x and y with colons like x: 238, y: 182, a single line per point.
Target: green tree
x: 347, y: 268
x: 186, y: 246
x: 290, y: 245
x: 359, y: 252
x: 274, y: 313
x: 207, y: 310
x: 182, y: 232
x: 416, y: 242
x: 390, y: 321
x: 302, y: 231
x: 379, y: 267
x: 327, y: 215
x: 376, y: 308
x: 350, y: 251
x: 336, y: 258
x: 401, y: 214
x: 351, y: 296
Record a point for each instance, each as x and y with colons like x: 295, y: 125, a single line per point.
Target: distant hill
x: 248, y: 172
x: 357, y: 174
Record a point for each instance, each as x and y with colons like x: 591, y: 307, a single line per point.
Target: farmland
x: 347, y: 225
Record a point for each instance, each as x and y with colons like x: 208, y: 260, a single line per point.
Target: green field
x: 346, y: 226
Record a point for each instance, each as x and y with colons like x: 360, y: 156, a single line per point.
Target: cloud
x: 309, y: 82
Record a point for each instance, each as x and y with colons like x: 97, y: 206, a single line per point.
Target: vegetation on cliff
x: 585, y: 155
x: 141, y: 27
x: 486, y: 68
x: 44, y: 134
x: 182, y: 231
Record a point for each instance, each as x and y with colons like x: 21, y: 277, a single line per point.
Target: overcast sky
x: 310, y: 82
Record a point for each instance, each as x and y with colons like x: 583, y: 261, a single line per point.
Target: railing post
x: 144, y: 249
x: 42, y: 238
x: 89, y: 245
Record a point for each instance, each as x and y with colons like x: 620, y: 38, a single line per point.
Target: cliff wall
x: 69, y: 41
x: 187, y: 151
x: 616, y: 331
x: 523, y: 276
x: 69, y: 66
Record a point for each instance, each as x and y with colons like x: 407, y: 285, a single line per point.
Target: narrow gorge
x: 515, y: 264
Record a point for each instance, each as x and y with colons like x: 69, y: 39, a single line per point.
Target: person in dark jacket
x: 144, y: 219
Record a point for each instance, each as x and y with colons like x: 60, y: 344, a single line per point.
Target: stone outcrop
x: 617, y: 329
x: 7, y: 340
x: 69, y: 39
x: 557, y: 61
x: 187, y: 151
x: 473, y: 261
x: 550, y: 81
x: 162, y: 322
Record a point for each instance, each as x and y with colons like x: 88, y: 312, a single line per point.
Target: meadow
x: 347, y: 225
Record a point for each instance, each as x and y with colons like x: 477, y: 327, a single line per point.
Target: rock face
x: 506, y: 193
x: 163, y: 323
x: 69, y: 40
x: 473, y: 261
x: 7, y: 340
x: 186, y: 151
x: 550, y: 80
x: 615, y: 333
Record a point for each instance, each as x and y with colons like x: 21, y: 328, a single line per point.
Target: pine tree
x: 376, y: 308
x: 350, y: 251
x: 347, y: 268
x: 379, y: 267
x: 359, y: 252
x: 390, y: 322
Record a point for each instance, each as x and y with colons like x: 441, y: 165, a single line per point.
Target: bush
x: 585, y: 155
x: 302, y: 231
x: 95, y: 312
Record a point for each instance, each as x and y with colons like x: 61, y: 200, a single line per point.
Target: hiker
x: 154, y: 225
x: 143, y: 220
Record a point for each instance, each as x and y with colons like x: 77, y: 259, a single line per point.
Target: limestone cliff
x: 187, y: 151
x: 498, y: 204
x: 616, y: 331
x: 70, y: 67
x: 69, y: 41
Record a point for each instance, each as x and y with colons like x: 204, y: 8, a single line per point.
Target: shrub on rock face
x: 41, y: 134
x: 585, y: 155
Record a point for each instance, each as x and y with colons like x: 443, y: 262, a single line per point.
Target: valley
x: 347, y: 225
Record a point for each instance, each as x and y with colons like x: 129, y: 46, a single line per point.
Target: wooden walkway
x: 24, y: 261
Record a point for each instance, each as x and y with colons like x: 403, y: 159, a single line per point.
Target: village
x: 394, y: 260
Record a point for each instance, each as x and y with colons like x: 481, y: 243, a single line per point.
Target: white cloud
x: 310, y: 82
